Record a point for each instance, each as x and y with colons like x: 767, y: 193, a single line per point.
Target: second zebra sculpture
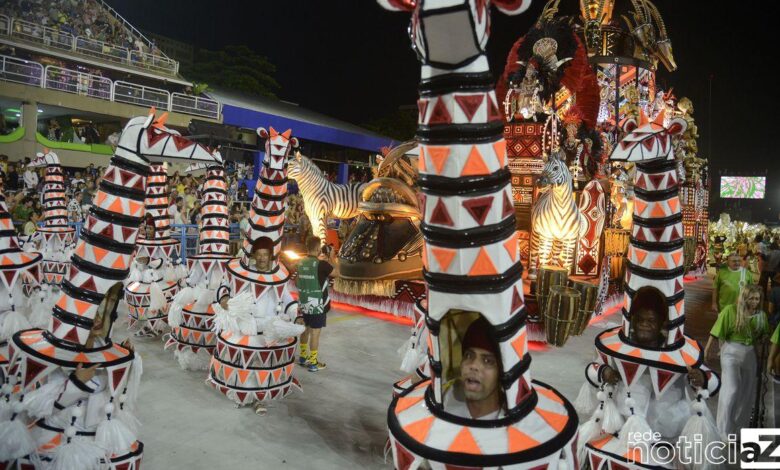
x: 556, y: 222
x: 321, y: 198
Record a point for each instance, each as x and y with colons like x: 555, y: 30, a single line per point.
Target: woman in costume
x: 739, y: 329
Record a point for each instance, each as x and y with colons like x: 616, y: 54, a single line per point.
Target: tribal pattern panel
x: 593, y: 209
x: 157, y: 199
x: 655, y: 253
x: 215, y: 226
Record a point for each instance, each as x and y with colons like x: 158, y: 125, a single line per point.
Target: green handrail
x: 13, y: 136
x: 101, y: 149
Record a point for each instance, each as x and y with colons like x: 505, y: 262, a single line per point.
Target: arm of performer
x: 774, y: 353
x: 81, y: 384
x: 598, y: 373
x: 715, y: 287
x: 223, y: 295
x: 718, y: 332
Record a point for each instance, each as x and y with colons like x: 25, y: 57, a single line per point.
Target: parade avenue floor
x: 339, y: 421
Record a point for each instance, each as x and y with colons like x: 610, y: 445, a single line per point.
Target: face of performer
x: 735, y: 262
x: 753, y: 300
x: 479, y: 372
x: 646, y: 327
x: 149, y: 230
x: 262, y: 257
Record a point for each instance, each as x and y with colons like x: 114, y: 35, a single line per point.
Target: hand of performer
x: 696, y: 377
x: 127, y: 344
x: 299, y: 320
x: 85, y: 375
x: 714, y: 307
x: 223, y: 302
x: 610, y: 375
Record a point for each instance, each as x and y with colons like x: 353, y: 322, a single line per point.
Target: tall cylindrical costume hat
x: 191, y: 315
x: 471, y: 260
x: 153, y: 283
x: 57, y: 237
x: 255, y: 353
x: 653, y: 383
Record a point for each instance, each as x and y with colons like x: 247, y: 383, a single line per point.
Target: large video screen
x: 743, y: 187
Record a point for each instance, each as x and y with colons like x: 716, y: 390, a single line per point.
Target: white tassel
x: 189, y: 360
x: 181, y: 271
x: 134, y: 276
x: 182, y: 298
x: 586, y: 400
x: 214, y: 280
x: 700, y: 427
x: 238, y: 316
x: 134, y: 381
x: 40, y: 403
x: 203, y: 297
x: 129, y: 419
x: 5, y: 410
x: 15, y: 440
x: 588, y: 431
x: 635, y: 432
x: 277, y: 329
x: 13, y: 321
x: 613, y: 420
x: 114, y: 436
x: 41, y: 305
x: 148, y: 277
x: 170, y: 273
x: 80, y: 454
x: 156, y: 297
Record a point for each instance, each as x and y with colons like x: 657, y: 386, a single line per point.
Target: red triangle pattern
x: 32, y: 369
x: 422, y: 107
x: 439, y: 114
x: 478, y: 208
x: 440, y: 215
x: 507, y: 208
x: 663, y: 378
x: 470, y: 104
x: 404, y: 458
x: 630, y: 368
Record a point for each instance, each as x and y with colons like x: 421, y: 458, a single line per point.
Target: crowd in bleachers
x: 85, y: 18
x: 23, y: 187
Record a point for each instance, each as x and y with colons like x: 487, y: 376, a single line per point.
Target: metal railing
x: 198, y: 105
x: 125, y: 92
x: 5, y: 25
x: 62, y: 40
x: 45, y: 35
x: 101, y: 50
x: 153, y: 62
x: 80, y: 83
x: 21, y: 71
x: 13, y: 69
x: 129, y: 26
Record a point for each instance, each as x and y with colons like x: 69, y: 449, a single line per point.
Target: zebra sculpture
x: 322, y: 198
x: 555, y: 218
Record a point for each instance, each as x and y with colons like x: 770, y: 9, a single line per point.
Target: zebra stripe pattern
x: 555, y: 217
x: 321, y: 198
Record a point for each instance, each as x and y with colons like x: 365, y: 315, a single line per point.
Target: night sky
x: 350, y: 59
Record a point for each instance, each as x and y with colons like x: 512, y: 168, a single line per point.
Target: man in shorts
x: 312, y: 283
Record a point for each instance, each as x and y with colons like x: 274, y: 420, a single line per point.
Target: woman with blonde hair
x: 739, y: 329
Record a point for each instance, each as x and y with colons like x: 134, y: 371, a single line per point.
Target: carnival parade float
x: 69, y: 394
x: 255, y: 351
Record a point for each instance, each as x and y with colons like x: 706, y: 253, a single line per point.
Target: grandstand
x: 72, y: 73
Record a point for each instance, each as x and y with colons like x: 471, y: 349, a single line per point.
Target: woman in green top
x: 739, y: 328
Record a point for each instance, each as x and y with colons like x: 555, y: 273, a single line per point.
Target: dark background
x: 351, y: 60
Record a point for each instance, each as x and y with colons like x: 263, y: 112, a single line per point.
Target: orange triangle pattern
x: 512, y: 247
x: 519, y: 441
x: 419, y: 430
x: 483, y: 265
x: 464, y: 442
x: 555, y: 420
x: 500, y: 148
x: 475, y: 165
x: 444, y: 257
x: 404, y: 403
x: 439, y: 156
